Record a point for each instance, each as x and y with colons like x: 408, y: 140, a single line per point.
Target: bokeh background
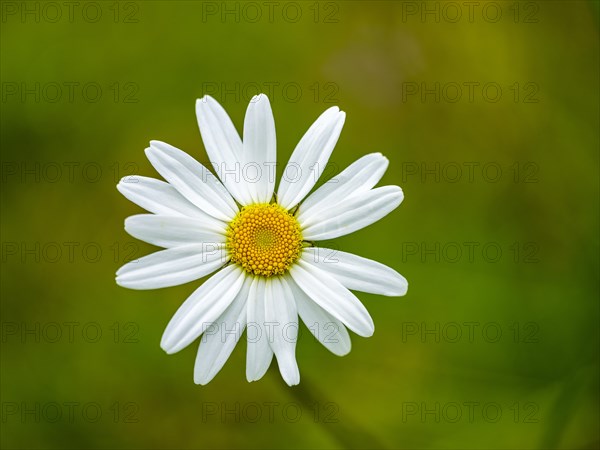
x: 496, y: 343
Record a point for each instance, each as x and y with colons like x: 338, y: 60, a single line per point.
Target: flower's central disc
x: 264, y: 239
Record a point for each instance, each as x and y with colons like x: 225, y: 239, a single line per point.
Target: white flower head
x: 258, y: 240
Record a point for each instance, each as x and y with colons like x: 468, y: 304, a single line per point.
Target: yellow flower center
x: 264, y: 239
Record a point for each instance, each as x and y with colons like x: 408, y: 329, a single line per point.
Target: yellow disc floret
x: 264, y: 239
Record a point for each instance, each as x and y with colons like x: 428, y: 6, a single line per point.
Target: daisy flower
x: 259, y: 240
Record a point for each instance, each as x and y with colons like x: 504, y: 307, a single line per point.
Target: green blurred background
x: 496, y: 343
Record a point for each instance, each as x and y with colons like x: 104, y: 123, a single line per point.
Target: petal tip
x: 202, y: 379
x: 292, y: 379
x: 168, y: 349
x: 165, y: 344
x: 259, y: 98
x: 403, y: 290
x: 204, y: 99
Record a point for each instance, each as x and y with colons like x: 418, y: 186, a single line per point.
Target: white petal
x: 157, y: 197
x: 357, y: 273
x: 259, y: 353
x: 310, y: 157
x: 282, y: 315
x: 353, y: 213
x: 174, y: 231
x: 194, y: 181
x: 218, y: 342
x: 221, y: 132
x: 334, y: 298
x: 172, y: 267
x: 202, y: 308
x: 223, y: 146
x: 327, y: 329
x: 357, y: 178
x: 260, y: 149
